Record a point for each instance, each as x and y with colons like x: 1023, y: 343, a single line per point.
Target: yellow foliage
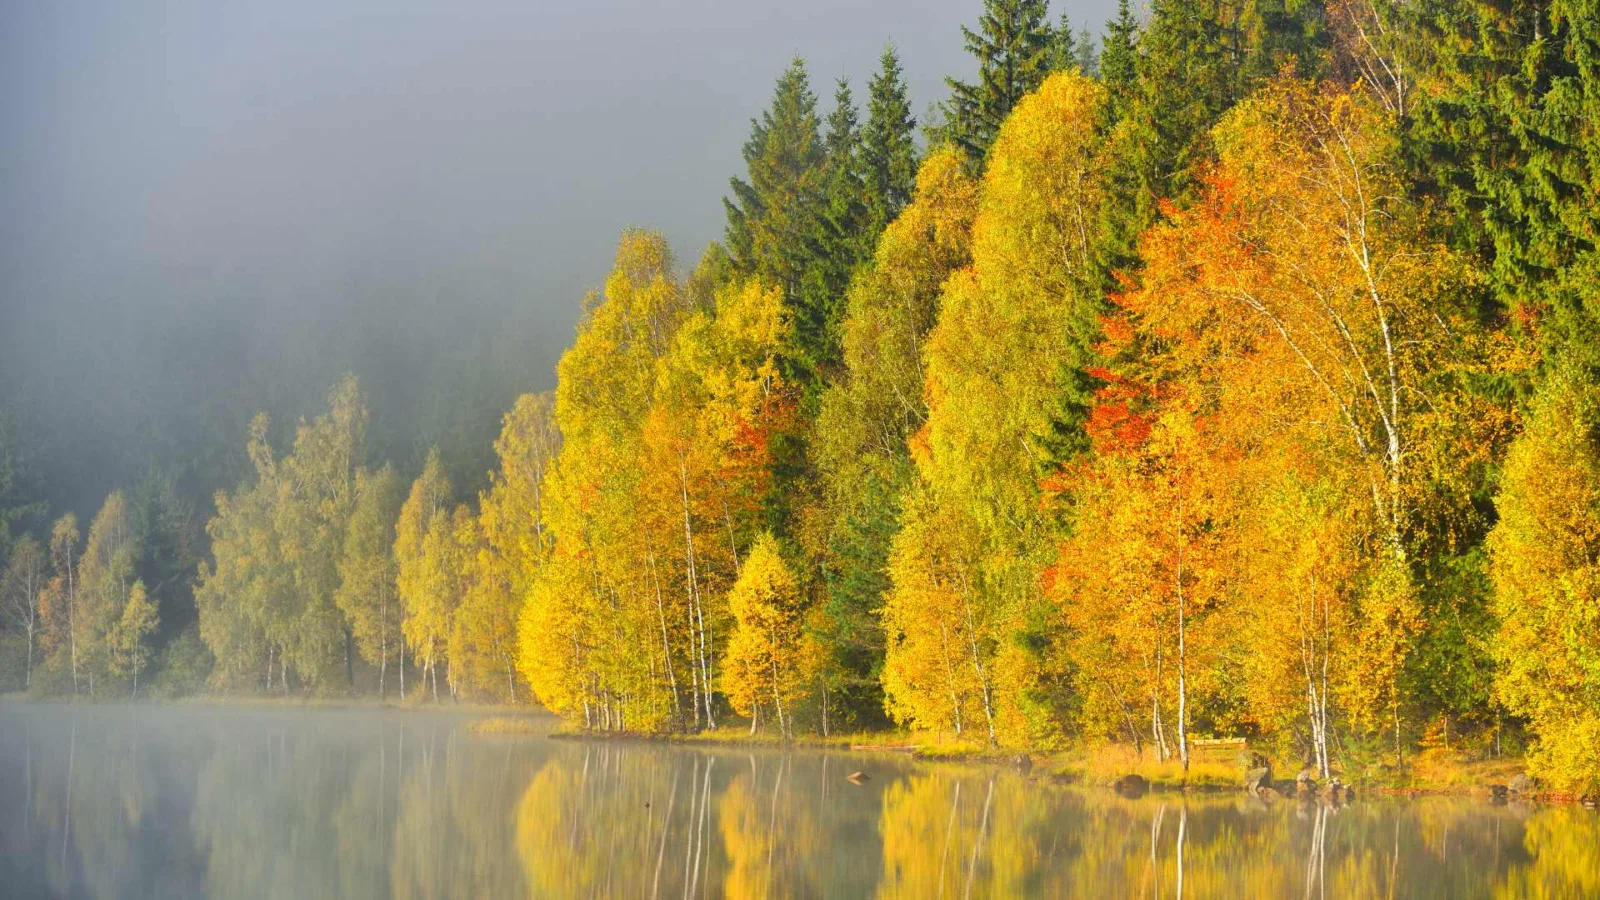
x: 1544, y: 554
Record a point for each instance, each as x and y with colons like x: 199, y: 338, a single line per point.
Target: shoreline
x: 1098, y: 767
x: 1085, y: 768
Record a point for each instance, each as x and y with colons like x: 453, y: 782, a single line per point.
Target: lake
x: 179, y: 801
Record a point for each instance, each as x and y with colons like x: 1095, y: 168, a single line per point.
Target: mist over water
x: 236, y: 802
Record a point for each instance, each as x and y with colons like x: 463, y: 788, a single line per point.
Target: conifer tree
x: 1013, y: 47
x: 1502, y: 129
x: 1071, y: 49
x: 773, y: 211
x: 888, y: 144
x: 1119, y: 60
x: 839, y: 242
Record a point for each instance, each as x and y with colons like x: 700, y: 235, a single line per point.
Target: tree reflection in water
x: 174, y: 802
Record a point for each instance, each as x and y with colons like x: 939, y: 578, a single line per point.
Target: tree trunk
x: 977, y: 664
x: 72, y: 622
x: 1183, y: 686
x: 950, y: 676
x: 666, y: 647
x: 694, y: 591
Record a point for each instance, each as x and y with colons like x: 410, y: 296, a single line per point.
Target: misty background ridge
x: 210, y: 211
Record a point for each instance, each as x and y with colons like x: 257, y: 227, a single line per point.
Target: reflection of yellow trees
x: 770, y: 839
x: 972, y: 835
x: 612, y: 823
x: 1565, y: 846
x: 977, y: 836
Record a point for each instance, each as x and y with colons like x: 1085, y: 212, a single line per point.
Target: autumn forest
x: 1229, y: 372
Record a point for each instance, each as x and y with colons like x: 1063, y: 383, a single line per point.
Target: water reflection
x: 231, y: 803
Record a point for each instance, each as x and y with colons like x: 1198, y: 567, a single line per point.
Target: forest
x: 1231, y: 372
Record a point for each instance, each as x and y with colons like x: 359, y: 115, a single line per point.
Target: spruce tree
x: 1503, y: 131
x: 888, y: 143
x: 1013, y: 45
x: 1119, y: 59
x: 772, y: 215
x: 1071, y: 49
x: 840, y: 240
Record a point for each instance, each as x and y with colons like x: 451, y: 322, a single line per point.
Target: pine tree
x: 1013, y: 45
x: 1119, y: 59
x: 839, y: 243
x: 1071, y: 49
x: 888, y: 144
x: 1502, y: 129
x: 772, y: 214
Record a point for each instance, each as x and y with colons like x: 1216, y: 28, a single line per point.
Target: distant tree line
x: 1237, y: 375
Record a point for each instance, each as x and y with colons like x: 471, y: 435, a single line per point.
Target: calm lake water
x: 180, y: 802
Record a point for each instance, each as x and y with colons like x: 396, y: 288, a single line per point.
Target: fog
x: 209, y: 209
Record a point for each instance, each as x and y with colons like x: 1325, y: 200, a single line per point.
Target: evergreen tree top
x: 1013, y: 45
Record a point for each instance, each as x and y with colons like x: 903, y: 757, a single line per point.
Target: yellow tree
x: 21, y: 588
x: 707, y: 443
x: 58, y: 604
x: 241, y: 590
x: 1005, y: 380
x: 313, y: 509
x: 127, y: 640
x: 1141, y: 577
x: 589, y: 605
x: 483, y: 630
x: 513, y: 511
x: 1545, y: 566
x: 367, y: 595
x: 105, y: 577
x: 765, y: 651
x: 1299, y: 566
x: 933, y: 675
x: 1302, y: 291
x: 423, y: 537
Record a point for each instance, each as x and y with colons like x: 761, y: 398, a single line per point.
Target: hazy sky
x: 294, y: 174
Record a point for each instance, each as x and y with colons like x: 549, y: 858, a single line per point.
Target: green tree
x: 773, y: 210
x: 842, y: 238
x: 17, y: 488
x: 1013, y: 49
x: 1072, y: 49
x: 1501, y: 127
x: 1118, y: 66
x: 858, y: 441
x: 888, y: 144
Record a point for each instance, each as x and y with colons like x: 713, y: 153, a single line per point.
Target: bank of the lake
x: 1433, y: 772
